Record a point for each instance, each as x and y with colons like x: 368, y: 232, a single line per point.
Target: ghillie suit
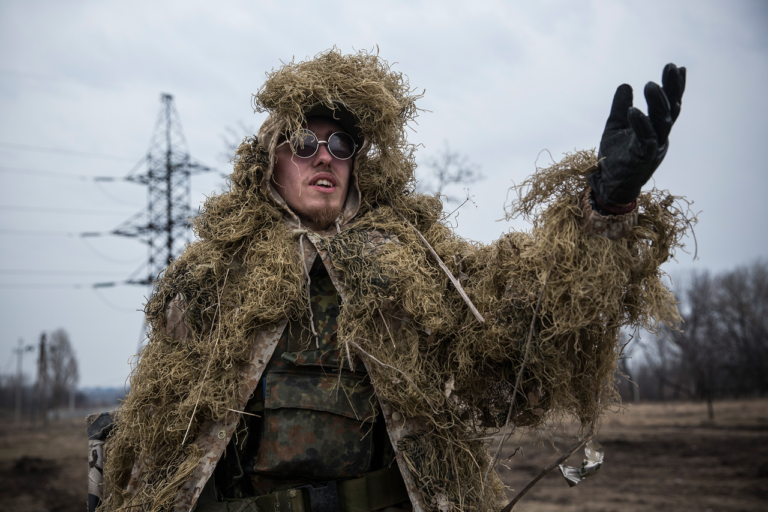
x: 443, y: 380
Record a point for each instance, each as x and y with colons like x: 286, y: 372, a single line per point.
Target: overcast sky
x: 503, y: 80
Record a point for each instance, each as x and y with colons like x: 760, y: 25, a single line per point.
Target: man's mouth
x: 324, y: 183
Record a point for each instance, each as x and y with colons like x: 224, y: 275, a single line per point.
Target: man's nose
x: 323, y: 156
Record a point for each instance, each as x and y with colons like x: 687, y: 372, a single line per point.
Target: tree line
x: 55, y: 381
x: 721, y: 349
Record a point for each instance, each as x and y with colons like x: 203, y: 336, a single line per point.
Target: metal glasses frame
x: 317, y: 148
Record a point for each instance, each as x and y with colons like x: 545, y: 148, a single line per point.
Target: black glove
x: 633, y: 144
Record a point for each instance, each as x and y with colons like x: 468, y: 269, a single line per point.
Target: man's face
x: 315, y: 188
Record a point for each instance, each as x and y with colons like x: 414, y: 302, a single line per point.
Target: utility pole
x: 41, y: 386
x: 164, y: 224
x: 44, y: 379
x: 20, y: 377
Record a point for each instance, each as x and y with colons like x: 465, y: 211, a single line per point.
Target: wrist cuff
x: 613, y: 210
x: 613, y: 227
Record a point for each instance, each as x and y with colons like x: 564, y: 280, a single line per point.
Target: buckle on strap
x: 322, y: 499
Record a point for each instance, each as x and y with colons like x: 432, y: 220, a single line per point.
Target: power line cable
x: 96, y: 180
x: 69, y: 152
x: 164, y: 225
x: 110, y: 304
x: 43, y: 285
x: 77, y: 286
x: 56, y: 174
x: 32, y: 272
x: 94, y: 287
x: 81, y: 236
x: 114, y: 198
x: 74, y: 211
x: 104, y: 256
x: 137, y: 271
x: 31, y: 232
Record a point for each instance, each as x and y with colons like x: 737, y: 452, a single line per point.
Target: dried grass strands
x: 495, y: 458
x: 397, y: 370
x: 210, y: 360
x: 455, y: 281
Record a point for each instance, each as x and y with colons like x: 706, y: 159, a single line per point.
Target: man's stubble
x: 325, y: 216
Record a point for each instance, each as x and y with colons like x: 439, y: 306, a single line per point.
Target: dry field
x: 657, y: 457
x: 44, y: 469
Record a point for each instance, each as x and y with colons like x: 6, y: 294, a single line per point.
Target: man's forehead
x: 324, y: 125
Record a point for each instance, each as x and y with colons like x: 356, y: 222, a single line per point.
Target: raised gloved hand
x: 633, y: 144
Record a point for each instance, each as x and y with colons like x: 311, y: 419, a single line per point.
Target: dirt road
x: 664, y: 457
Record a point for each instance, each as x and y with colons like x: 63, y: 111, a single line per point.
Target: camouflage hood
x: 244, y: 275
x: 380, y: 99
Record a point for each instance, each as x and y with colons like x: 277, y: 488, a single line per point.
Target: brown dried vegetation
x: 244, y: 273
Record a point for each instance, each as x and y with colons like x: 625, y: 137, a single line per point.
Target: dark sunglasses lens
x: 305, y: 144
x: 341, y: 146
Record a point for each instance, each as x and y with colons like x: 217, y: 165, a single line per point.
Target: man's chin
x: 323, y: 217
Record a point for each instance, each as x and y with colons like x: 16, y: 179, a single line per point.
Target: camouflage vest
x: 317, y: 419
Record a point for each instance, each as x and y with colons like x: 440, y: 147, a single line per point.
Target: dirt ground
x: 657, y: 457
x: 43, y: 469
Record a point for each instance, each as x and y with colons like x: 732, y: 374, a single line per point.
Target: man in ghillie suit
x: 328, y: 342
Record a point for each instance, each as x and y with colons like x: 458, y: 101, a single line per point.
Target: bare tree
x: 62, y: 368
x: 448, y: 168
x: 701, y: 341
x: 741, y: 307
x: 722, y: 350
x: 627, y: 379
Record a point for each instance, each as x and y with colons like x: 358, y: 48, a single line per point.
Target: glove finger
x: 658, y: 110
x: 642, y: 127
x: 622, y: 101
x: 673, y: 80
x: 682, y: 72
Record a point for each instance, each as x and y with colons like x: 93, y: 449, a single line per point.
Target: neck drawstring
x: 309, y: 283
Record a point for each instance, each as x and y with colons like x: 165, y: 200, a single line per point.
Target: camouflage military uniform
x: 319, y: 421
x: 312, y: 418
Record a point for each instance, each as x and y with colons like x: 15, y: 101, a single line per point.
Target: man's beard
x: 324, y: 217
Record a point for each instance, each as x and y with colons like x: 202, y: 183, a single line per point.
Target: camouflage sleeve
x: 613, y: 227
x: 176, y: 323
x: 572, y: 292
x: 98, y: 428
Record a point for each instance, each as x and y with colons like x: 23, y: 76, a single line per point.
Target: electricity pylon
x: 164, y: 224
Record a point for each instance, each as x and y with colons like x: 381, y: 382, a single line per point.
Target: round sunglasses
x: 305, y: 144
